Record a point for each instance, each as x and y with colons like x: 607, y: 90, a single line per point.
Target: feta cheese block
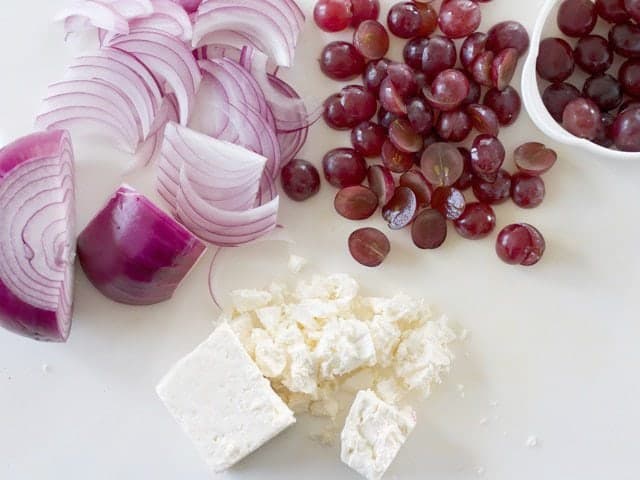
x: 221, y: 400
x: 373, y: 434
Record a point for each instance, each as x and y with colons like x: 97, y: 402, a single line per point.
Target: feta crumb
x: 222, y: 402
x: 246, y: 300
x: 270, y: 358
x: 296, y: 263
x: 373, y: 434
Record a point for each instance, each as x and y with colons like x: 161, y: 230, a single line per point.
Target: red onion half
x: 37, y: 235
x: 134, y: 253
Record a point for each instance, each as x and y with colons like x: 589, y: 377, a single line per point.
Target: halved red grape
x: 371, y: 39
x: 495, y: 192
x: 527, y: 191
x: 504, y: 67
x: 593, y: 54
x: 429, y: 229
x: 333, y: 15
x: 506, y: 104
x: 626, y: 130
x: 604, y: 90
x: 449, y: 201
x: 442, y: 164
x: 557, y: 96
x: 534, y: 158
x: 477, y: 221
x: 508, y: 34
x: 374, y: 73
x: 555, y: 61
x: 344, y: 167
x: 629, y: 76
x: 394, y: 159
x: 356, y: 202
x: 381, y: 182
x: 401, y: 209
x: 300, y: 180
x: 459, y: 18
x: 481, y: 68
x: 369, y: 246
x: 466, y: 179
x: 472, y: 47
x: 364, y: 10
x: 582, y: 118
x: 420, y: 115
x: 538, y: 246
x: 487, y: 156
x: 404, y: 137
x: 438, y: 54
x: 412, y: 52
x: 335, y: 115
x: 403, y: 78
x: 341, y: 61
x: 604, y: 133
x: 390, y: 98
x: 576, y: 18
x: 409, y: 19
x: 483, y: 119
x: 514, y: 244
x: 454, y: 126
x: 416, y: 181
x: 367, y: 139
x: 448, y: 90
x: 612, y: 11
x: 351, y: 106
x: 633, y: 8
x: 625, y: 39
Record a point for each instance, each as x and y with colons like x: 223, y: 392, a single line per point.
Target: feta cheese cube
x: 222, y: 401
x: 247, y: 300
x: 373, y: 435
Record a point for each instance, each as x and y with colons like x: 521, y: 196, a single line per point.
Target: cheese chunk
x: 373, y: 434
x: 221, y: 400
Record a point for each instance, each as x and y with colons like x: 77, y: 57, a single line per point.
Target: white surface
x: 219, y: 397
x: 553, y: 348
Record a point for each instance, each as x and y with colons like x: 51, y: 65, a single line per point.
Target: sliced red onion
x: 190, y: 6
x: 290, y: 114
x: 150, y: 149
x: 168, y: 59
x: 134, y: 253
x: 37, y: 235
x: 167, y: 17
x: 271, y: 26
x: 92, y: 14
x: 132, y: 8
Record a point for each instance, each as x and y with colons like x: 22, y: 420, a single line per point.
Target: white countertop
x: 553, y: 350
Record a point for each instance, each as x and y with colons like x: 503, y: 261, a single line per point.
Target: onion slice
x: 134, y: 253
x: 92, y: 14
x: 37, y: 236
x: 167, y: 17
x: 271, y: 26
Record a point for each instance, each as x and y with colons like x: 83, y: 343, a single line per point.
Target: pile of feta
x: 319, y: 344
x: 321, y: 339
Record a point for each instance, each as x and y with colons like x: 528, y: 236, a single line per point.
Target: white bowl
x: 533, y: 100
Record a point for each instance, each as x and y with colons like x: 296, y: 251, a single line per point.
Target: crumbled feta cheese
x: 373, y: 435
x: 221, y: 400
x: 296, y: 263
x: 247, y: 300
x: 270, y: 358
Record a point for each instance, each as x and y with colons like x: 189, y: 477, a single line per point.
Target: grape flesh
x: 534, y: 158
x: 429, y: 229
x: 356, y: 202
x: 442, y: 164
x: 369, y: 246
x: 371, y: 40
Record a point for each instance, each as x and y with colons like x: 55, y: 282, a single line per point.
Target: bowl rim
x: 535, y: 107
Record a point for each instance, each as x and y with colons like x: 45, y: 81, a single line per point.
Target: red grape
x: 438, y: 54
x: 481, y: 68
x: 385, y: 118
x: 582, y: 118
x: 412, y: 52
x: 381, y: 182
x: 466, y: 179
x: 341, y: 61
x: 534, y: 158
x: 364, y: 10
x: 374, y: 73
x: 367, y: 139
x: 508, y: 34
x: 557, y: 96
x: 576, y: 18
x: 538, y: 246
x: 356, y: 202
x: 555, y: 61
x: 603, y: 138
x: 448, y: 90
x: 454, y: 126
x: 351, y: 106
x: 403, y: 79
x: 369, y: 246
x: 593, y: 54
x: 477, y: 221
x: 333, y: 15
x: 472, y: 47
x: 483, y: 119
x: 506, y: 104
x: 625, y: 131
x: 371, y: 39
x: 344, y: 167
x: 604, y: 90
x: 429, y: 230
x: 612, y: 11
x: 404, y: 137
x: 459, y: 18
x: 394, y: 159
x: 416, y: 181
x: 401, y: 209
x: 625, y: 39
x: 408, y: 19
x: 390, y: 98
x: 629, y: 76
x: 520, y: 244
x: 487, y: 156
x: 420, y: 115
x: 633, y: 8
x: 442, y: 164
x: 495, y: 192
x: 503, y: 68
x: 527, y: 191
x: 449, y: 201
x: 474, y: 93
x: 300, y: 180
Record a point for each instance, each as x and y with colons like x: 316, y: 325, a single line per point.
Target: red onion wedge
x: 169, y: 59
x: 37, y: 236
x: 271, y: 26
x: 134, y: 253
x: 168, y: 17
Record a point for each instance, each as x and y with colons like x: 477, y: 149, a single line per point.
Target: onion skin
x: 134, y: 253
x: 17, y: 315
